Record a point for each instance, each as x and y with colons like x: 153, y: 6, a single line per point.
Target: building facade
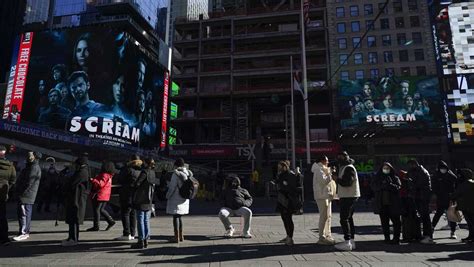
x: 187, y: 10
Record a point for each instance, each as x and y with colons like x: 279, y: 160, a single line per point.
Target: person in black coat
x: 444, y: 185
x: 386, y: 186
x: 289, y: 200
x: 76, y: 191
x: 464, y: 199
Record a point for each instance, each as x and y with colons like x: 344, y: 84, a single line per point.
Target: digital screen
x: 460, y: 110
x: 392, y: 102
x: 95, y: 82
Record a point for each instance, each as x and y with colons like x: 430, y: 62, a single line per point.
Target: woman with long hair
x: 101, y: 190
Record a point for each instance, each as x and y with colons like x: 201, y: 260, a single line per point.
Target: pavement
x: 205, y: 245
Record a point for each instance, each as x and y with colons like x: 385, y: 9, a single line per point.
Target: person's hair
x: 321, y: 158
x: 284, y: 165
x: 343, y: 153
x: 78, y: 74
x: 405, y: 81
x: 54, y: 90
x: 107, y: 166
x: 150, y: 163
x: 368, y: 99
x: 61, y: 68
x: 135, y: 157
x: 179, y: 162
x: 84, y: 37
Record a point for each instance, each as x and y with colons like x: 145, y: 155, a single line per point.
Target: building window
x: 354, y: 11
x: 419, y: 54
x: 405, y: 71
x: 340, y: 12
x: 397, y: 6
x: 399, y: 23
x: 359, y: 74
x: 358, y: 59
x: 369, y: 24
x: 403, y: 55
x: 412, y: 5
x: 342, y: 43
x: 356, y: 42
x: 344, y: 75
x: 416, y: 37
x: 384, y: 10
x: 389, y: 71
x: 415, y: 21
x: 341, y: 27
x: 387, y: 57
x: 343, y: 59
x: 355, y: 26
x: 368, y: 9
x: 371, y: 41
x: 373, y: 58
x: 421, y: 71
x: 386, y: 40
x: 401, y: 38
x: 374, y: 74
x: 384, y: 24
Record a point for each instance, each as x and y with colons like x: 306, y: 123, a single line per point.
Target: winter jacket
x: 236, y: 198
x: 7, y: 178
x: 28, y: 183
x: 144, y: 190
x: 347, y: 171
x: 176, y: 204
x: 324, y: 186
x: 421, y: 182
x: 102, y: 186
x: 386, y: 189
x: 127, y: 176
x: 76, y: 193
x: 289, y: 192
x: 464, y: 194
x: 444, y: 184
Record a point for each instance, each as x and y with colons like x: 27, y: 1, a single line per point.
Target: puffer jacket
x: 102, y: 186
x: 176, y: 203
x: 444, y: 184
x: 324, y: 186
x: 387, y: 185
x: 421, y: 181
x: 28, y: 183
x: 236, y: 198
x: 7, y: 178
x: 127, y: 176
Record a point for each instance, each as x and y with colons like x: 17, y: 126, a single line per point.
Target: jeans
x: 325, y: 213
x: 385, y: 217
x: 245, y: 212
x: 177, y: 223
x: 129, y: 221
x: 24, y: 212
x: 3, y: 221
x: 99, y: 209
x: 143, y: 224
x: 423, y: 208
x: 287, y: 218
x: 73, y: 232
x: 439, y: 212
x: 346, y: 220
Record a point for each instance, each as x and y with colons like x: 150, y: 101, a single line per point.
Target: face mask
x: 443, y: 171
x: 386, y: 171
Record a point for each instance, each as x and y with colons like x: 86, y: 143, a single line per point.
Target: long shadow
x: 463, y: 256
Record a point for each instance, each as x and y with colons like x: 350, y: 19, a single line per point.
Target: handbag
x: 453, y: 214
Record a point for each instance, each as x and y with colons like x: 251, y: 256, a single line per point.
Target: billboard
x: 96, y: 82
x: 391, y: 102
x: 460, y: 110
x: 452, y: 22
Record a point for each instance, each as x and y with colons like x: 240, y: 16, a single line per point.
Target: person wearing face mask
x: 386, y: 186
x: 444, y: 185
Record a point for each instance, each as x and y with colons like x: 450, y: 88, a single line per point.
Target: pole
x: 305, y: 86
x: 293, y: 153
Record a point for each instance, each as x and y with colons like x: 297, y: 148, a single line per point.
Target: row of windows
x: 368, y: 9
x: 384, y: 24
x: 416, y: 38
x: 375, y: 74
x: 373, y: 57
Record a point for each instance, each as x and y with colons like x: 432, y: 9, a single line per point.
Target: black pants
x: 423, y: 208
x: 44, y: 199
x: 99, y: 209
x: 129, y: 221
x: 386, y: 215
x: 287, y: 218
x: 346, y: 220
x: 469, y: 217
x: 439, y: 212
x: 73, y: 232
x: 3, y: 221
x: 177, y: 223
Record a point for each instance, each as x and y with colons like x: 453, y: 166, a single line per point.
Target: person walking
x: 386, y: 186
x: 176, y: 204
x: 464, y: 199
x: 422, y: 194
x: 7, y: 180
x: 348, y: 191
x: 444, y: 185
x: 127, y: 176
x: 27, y: 189
x: 411, y: 221
x: 324, y: 191
x: 143, y: 200
x: 76, y: 191
x: 101, y: 190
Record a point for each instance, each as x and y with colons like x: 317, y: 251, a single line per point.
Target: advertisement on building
x: 95, y: 82
x: 391, y: 102
x: 452, y: 22
x: 460, y: 109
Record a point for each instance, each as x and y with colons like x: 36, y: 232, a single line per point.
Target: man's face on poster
x: 41, y: 86
x: 141, y: 103
x: 405, y: 87
x: 369, y: 104
x: 53, y: 98
x: 387, y: 101
x: 79, y: 89
x: 141, y: 74
x: 64, y: 91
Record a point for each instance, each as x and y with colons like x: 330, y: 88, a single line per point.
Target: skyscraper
x: 189, y: 10
x: 36, y: 11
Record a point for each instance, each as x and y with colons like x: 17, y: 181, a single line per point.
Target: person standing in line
x: 422, y: 193
x: 444, y: 185
x: 348, y: 191
x: 411, y: 221
x: 386, y: 186
x: 27, y: 190
x: 101, y: 190
x: 76, y: 191
x: 143, y: 201
x: 464, y: 199
x: 177, y: 205
x: 127, y: 176
x: 7, y: 180
x: 324, y: 191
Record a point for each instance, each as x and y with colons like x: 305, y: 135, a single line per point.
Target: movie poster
x: 393, y: 102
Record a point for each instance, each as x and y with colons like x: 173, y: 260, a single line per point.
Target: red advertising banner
x: 164, y: 119
x: 21, y: 72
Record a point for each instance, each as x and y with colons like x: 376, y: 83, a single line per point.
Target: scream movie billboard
x: 94, y: 82
x: 393, y: 102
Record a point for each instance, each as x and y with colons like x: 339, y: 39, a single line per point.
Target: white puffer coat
x: 176, y: 203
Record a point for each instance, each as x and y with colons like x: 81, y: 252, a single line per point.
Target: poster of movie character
x: 393, y: 102
x: 95, y: 82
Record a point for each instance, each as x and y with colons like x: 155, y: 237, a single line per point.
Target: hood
x: 183, y: 172
x: 235, y: 180
x: 442, y: 165
x: 392, y: 169
x: 5, y: 164
x: 348, y: 162
x: 135, y: 164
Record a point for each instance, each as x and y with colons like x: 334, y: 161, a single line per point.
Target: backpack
x: 189, y: 188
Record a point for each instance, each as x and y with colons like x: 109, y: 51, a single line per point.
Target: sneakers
x: 289, y: 241
x: 230, y: 232
x: 353, y: 243
x: 124, y: 238
x: 283, y: 240
x: 453, y: 236
x: 21, y: 237
x: 326, y: 241
x: 69, y: 243
x: 427, y: 240
x: 247, y: 235
x: 344, y: 246
x: 110, y: 226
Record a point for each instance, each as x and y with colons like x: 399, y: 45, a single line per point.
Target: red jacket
x: 102, y: 186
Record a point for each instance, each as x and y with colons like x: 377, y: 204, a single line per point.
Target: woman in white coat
x: 177, y: 205
x: 324, y: 189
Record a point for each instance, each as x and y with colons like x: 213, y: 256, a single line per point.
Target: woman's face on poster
x: 82, y: 53
x: 118, y: 90
x: 141, y: 103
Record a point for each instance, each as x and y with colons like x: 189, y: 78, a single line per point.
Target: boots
x: 138, y: 245
x: 181, y: 236
x: 175, y: 239
x: 145, y: 243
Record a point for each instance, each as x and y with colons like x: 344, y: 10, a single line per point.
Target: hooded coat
x: 7, y: 178
x: 28, y: 183
x: 444, y: 184
x: 176, y: 203
x: 421, y: 181
x: 128, y: 176
x: 76, y: 192
x: 464, y: 194
x: 235, y: 198
x: 144, y: 190
x: 386, y: 189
